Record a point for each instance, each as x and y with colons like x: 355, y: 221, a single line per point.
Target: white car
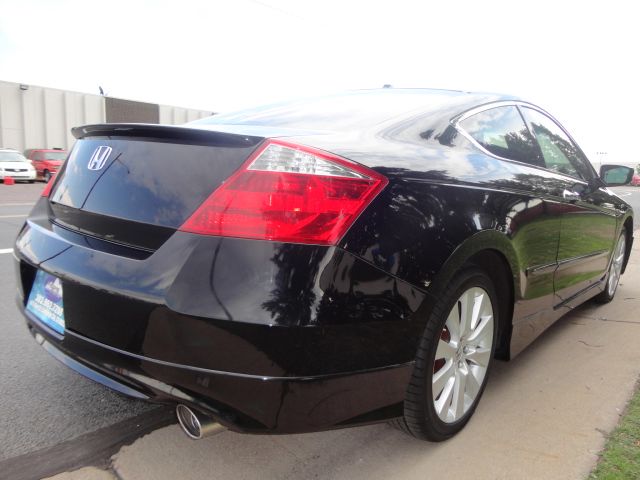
x: 14, y: 164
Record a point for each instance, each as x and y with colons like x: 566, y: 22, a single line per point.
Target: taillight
x: 288, y: 193
x: 47, y: 188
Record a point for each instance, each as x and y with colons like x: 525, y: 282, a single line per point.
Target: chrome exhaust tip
x: 196, y: 425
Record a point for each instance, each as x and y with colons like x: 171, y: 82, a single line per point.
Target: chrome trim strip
x: 455, y: 122
x: 541, y: 269
x: 234, y: 374
x: 599, y: 253
x: 475, y: 143
x: 500, y: 103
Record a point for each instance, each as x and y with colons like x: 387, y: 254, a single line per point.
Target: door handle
x: 570, y: 195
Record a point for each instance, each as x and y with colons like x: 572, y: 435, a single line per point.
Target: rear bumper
x: 246, y: 403
x: 264, y: 336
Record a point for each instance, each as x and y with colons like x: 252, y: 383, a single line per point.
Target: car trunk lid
x: 136, y: 184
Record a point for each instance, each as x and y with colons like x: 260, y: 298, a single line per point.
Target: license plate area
x: 45, y: 301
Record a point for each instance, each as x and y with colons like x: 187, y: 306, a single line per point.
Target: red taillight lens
x: 288, y: 193
x: 47, y: 188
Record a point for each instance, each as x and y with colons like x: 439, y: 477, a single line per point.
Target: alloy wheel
x: 462, y: 355
x: 615, y: 270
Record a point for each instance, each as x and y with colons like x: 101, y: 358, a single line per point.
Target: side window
x: 36, y: 156
x: 502, y: 132
x: 559, y: 152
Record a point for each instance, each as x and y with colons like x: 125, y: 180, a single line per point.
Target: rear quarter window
x: 502, y: 132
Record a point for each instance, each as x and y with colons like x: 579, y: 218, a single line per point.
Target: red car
x: 635, y: 181
x: 46, y: 161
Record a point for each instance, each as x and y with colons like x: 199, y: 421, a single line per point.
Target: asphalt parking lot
x: 44, y: 405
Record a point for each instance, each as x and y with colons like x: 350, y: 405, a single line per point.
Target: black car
x: 319, y: 263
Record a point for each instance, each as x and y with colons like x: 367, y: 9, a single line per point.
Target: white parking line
x: 6, y: 250
x: 13, y: 216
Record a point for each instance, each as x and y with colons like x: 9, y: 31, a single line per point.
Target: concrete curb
x: 86, y: 473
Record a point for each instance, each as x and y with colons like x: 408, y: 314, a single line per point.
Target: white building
x: 40, y: 117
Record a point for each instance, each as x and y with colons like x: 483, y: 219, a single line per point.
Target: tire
x: 615, y: 270
x: 446, y: 363
x: 46, y: 176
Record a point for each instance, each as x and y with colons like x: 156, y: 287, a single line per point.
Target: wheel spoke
x: 483, y: 332
x: 445, y: 350
x: 480, y: 356
x: 453, y: 324
x: 444, y: 402
x: 478, y: 308
x: 457, y: 404
x: 620, y: 256
x: 473, y: 383
x: 466, y: 311
x: 441, y: 377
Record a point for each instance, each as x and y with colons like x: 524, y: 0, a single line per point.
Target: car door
x: 588, y: 220
x: 534, y: 220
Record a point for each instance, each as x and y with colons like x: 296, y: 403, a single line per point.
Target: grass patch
x: 621, y: 456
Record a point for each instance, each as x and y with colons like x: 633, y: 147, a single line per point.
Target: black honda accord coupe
x: 320, y: 263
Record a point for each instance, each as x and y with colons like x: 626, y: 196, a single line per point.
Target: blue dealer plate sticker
x: 45, y: 301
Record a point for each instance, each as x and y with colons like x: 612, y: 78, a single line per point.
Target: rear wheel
x: 46, y: 176
x: 615, y: 270
x: 453, y: 359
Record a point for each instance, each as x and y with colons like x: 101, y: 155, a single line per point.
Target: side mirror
x: 616, y: 175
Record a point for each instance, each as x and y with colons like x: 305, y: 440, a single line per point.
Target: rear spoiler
x: 179, y: 134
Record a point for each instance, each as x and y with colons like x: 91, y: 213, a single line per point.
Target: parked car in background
x: 46, y: 161
x: 320, y: 263
x: 14, y: 164
x: 635, y: 181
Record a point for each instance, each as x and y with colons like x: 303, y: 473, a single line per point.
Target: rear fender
x: 478, y: 242
x: 483, y: 241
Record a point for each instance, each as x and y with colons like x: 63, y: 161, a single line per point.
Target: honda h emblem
x: 99, y: 158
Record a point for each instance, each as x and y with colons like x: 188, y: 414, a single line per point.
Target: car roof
x: 357, y: 109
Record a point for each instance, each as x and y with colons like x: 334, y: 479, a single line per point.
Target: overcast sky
x: 578, y: 60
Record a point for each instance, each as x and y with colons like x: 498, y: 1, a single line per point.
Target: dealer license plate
x: 45, y: 301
